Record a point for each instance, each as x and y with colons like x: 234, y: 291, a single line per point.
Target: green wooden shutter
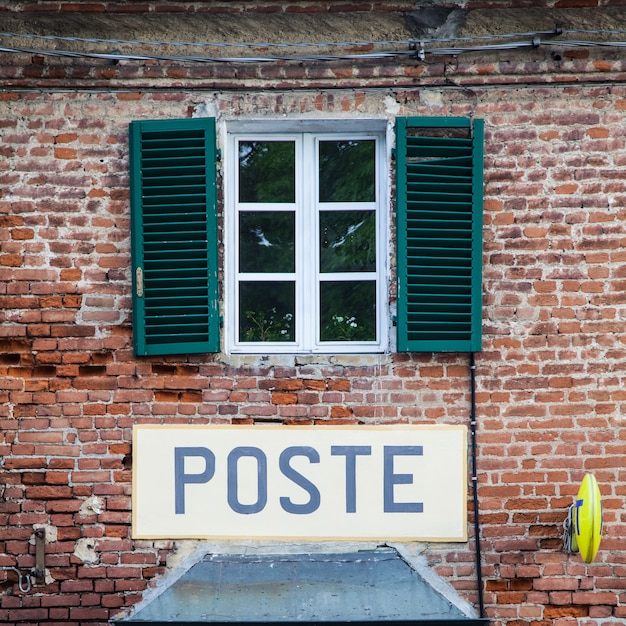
x: 174, y: 236
x: 439, y: 234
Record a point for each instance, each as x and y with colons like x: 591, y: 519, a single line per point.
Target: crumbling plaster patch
x: 92, y: 506
x: 85, y: 550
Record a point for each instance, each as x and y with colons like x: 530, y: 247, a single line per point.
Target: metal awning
x: 366, y: 587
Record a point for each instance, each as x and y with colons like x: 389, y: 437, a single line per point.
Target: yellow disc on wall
x: 587, y: 518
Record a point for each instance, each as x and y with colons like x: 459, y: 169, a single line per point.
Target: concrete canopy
x: 358, y: 587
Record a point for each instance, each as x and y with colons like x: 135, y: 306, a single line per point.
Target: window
x: 306, y: 243
x: 305, y: 252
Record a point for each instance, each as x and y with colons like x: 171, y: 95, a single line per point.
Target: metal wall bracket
x: 39, y: 571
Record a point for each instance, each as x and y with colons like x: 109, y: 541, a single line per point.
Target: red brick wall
x: 550, y: 378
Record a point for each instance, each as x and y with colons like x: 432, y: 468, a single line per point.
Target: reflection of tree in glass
x: 348, y: 311
x: 347, y: 171
x: 266, y: 241
x: 267, y: 171
x: 268, y: 326
x: 347, y: 241
x: 343, y: 328
x: 266, y: 311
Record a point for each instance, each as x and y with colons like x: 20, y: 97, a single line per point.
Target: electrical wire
x: 479, y: 574
x: 417, y: 48
x: 115, y: 56
x: 420, y: 54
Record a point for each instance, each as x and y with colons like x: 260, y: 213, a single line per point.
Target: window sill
x: 304, y: 360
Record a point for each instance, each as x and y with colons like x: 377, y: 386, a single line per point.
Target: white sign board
x: 285, y: 482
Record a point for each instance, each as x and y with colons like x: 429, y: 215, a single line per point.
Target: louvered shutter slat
x: 439, y: 194
x: 174, y: 236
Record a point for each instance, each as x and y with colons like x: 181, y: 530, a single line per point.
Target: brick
x: 48, y: 492
x: 559, y: 584
x: 284, y: 398
x: 555, y: 612
x: 595, y: 598
x: 25, y: 615
x: 93, y: 613
x: 63, y: 506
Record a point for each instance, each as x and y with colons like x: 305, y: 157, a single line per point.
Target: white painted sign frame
x: 374, y: 483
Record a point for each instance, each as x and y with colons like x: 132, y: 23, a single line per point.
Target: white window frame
x: 306, y: 135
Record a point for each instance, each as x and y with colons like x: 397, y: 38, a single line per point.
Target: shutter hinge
x: 139, y: 282
x: 393, y: 154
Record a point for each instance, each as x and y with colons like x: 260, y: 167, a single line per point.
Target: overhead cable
x: 115, y: 56
x: 416, y: 48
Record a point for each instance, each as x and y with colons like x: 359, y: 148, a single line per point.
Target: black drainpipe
x: 479, y: 574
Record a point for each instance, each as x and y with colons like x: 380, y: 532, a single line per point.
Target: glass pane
x: 267, y: 171
x: 267, y: 241
x: 347, y: 241
x: 347, y: 171
x: 348, y: 311
x: 267, y: 311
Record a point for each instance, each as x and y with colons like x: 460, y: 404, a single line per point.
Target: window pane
x: 267, y: 171
x: 347, y: 241
x: 347, y: 171
x: 267, y: 311
x: 348, y: 311
x: 267, y: 241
